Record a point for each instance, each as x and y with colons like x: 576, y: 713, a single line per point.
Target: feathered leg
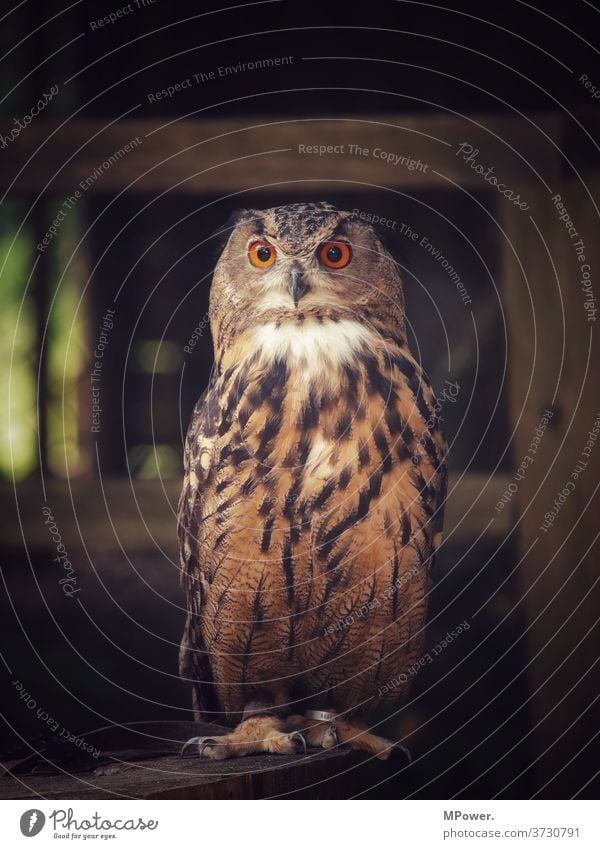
x: 258, y: 734
x: 353, y: 733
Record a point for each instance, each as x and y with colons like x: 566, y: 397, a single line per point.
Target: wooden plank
x: 323, y: 775
x: 209, y: 155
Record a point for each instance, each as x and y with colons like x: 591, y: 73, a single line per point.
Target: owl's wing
x: 194, y: 661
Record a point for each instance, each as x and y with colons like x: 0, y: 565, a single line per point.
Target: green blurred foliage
x: 18, y: 420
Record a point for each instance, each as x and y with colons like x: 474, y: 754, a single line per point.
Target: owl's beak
x: 297, y: 284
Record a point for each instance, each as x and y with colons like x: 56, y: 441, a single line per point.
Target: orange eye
x: 335, y: 254
x: 261, y: 254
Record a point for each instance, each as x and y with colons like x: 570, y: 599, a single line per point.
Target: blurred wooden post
x: 40, y: 294
x: 558, y: 580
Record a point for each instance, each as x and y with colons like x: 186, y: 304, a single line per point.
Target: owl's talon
x: 201, y: 743
x: 207, y: 743
x: 300, y: 738
x: 188, y: 743
x: 321, y: 735
x: 391, y: 747
x: 400, y: 747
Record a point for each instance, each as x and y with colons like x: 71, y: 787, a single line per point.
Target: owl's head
x: 305, y: 262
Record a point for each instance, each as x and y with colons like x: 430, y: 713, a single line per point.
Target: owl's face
x: 303, y: 262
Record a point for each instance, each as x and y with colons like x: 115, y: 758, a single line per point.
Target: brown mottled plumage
x: 314, y: 486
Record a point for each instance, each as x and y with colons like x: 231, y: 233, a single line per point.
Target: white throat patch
x: 312, y: 345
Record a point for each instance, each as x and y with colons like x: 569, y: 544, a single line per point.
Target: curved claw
x: 405, y: 751
x: 300, y: 737
x: 330, y: 738
x: 188, y: 743
x: 207, y: 743
x: 201, y: 742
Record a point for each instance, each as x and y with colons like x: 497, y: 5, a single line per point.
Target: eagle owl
x: 314, y: 488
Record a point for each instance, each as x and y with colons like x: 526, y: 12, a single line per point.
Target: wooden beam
x: 212, y: 155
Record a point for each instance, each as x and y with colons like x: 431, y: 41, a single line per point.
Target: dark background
x: 111, y: 656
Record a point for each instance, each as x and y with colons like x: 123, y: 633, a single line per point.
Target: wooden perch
x: 131, y: 767
x: 323, y: 775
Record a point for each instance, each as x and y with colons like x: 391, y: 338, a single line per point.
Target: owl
x: 313, y: 497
